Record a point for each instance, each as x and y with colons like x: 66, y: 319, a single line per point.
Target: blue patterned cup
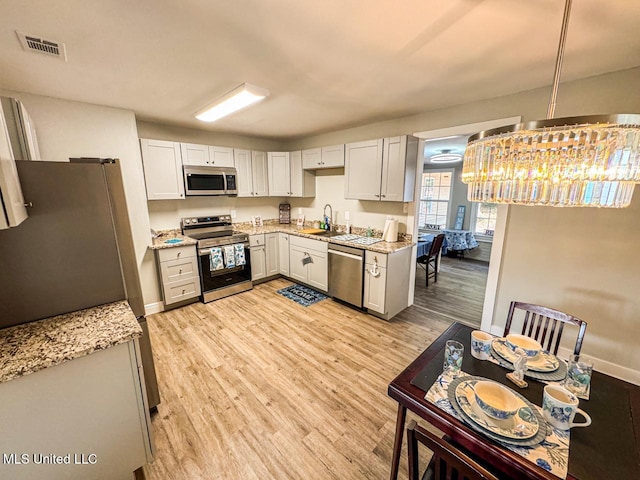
x: 481, y: 345
x: 453, y: 352
x: 559, y: 407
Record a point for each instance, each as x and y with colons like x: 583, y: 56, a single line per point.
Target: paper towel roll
x: 390, y: 232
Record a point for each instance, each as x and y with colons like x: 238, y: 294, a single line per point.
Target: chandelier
x: 590, y: 161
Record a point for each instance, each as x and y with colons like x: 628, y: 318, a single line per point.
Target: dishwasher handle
x: 348, y: 255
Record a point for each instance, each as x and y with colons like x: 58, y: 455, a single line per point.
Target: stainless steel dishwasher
x: 346, y: 273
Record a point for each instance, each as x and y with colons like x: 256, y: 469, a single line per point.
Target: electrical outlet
x: 405, y: 208
x: 233, y: 214
x: 299, y: 211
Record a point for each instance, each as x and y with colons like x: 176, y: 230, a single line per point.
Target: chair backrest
x: 436, y: 245
x: 545, y: 325
x: 448, y: 461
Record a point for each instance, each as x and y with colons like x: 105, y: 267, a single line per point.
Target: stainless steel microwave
x: 209, y: 180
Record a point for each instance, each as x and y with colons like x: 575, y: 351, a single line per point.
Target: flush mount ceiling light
x: 237, y: 99
x: 446, y: 157
x: 591, y: 161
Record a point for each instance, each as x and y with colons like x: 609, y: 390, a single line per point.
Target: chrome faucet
x: 324, y: 212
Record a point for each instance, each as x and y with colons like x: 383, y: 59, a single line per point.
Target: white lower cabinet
x: 179, y: 275
x: 258, y: 257
x: 94, y: 405
x: 272, y: 254
x: 386, y: 282
x: 308, y: 262
x: 283, y: 249
x: 375, y: 282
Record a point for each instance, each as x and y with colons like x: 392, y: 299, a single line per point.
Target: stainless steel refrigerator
x: 74, y: 251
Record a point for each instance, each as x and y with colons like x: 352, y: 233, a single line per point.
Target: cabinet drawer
x: 308, y: 244
x: 181, y: 290
x: 256, y: 240
x: 181, y: 269
x: 379, y: 258
x: 176, y: 253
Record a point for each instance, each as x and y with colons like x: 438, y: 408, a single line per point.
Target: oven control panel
x: 214, y: 220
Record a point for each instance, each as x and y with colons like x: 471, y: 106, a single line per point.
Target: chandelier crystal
x: 589, y: 161
x: 575, y: 162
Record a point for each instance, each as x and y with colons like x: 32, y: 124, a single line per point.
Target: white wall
x: 73, y: 129
x: 362, y: 213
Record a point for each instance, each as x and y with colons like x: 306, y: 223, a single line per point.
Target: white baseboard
x: 151, y: 308
x: 604, y: 366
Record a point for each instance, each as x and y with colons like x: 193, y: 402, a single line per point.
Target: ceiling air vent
x: 48, y: 47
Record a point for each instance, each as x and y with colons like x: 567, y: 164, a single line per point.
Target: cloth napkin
x: 215, y: 259
x: 239, y: 250
x: 229, y: 256
x: 552, y: 453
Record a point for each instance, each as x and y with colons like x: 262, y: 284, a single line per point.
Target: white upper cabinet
x: 333, y: 157
x: 382, y: 169
x: 10, y: 191
x: 312, y: 158
x: 242, y: 160
x: 303, y: 182
x: 279, y: 174
x: 287, y: 178
x: 260, y: 174
x: 325, y: 157
x: 221, y: 156
x: 162, y: 164
x: 252, y: 170
x: 363, y: 170
x: 194, y: 154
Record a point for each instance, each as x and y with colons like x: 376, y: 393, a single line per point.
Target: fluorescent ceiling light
x: 446, y: 157
x: 237, y: 99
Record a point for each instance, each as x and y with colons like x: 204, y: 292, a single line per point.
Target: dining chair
x: 447, y: 462
x: 540, y: 321
x: 433, y: 258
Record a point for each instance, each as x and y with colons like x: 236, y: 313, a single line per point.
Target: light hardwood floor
x: 458, y: 293
x: 257, y: 386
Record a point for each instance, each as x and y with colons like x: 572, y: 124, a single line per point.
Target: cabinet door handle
x: 180, y: 272
x: 384, y: 196
x: 377, y: 195
x: 178, y: 254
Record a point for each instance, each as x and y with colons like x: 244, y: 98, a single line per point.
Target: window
x: 484, y: 220
x: 435, y: 196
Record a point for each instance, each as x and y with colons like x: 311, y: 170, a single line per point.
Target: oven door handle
x: 207, y: 251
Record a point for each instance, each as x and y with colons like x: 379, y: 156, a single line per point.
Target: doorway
x: 469, y: 293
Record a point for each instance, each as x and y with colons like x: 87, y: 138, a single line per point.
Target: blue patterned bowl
x: 530, y: 346
x: 495, y: 400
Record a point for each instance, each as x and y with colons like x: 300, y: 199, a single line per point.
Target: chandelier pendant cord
x: 559, y: 58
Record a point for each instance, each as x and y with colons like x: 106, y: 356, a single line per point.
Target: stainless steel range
x: 214, y: 233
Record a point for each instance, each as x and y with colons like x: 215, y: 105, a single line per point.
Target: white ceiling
x: 329, y: 64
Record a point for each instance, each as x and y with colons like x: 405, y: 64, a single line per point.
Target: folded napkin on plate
x: 239, y: 249
x: 229, y: 256
x: 215, y: 259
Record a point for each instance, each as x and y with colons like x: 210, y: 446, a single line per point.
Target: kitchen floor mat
x: 305, y: 296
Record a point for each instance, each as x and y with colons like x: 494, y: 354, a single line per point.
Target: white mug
x: 481, y: 345
x: 559, y: 407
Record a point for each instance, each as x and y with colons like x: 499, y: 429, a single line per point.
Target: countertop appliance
x: 74, y: 251
x: 346, y: 273
x: 216, y: 232
x: 207, y: 180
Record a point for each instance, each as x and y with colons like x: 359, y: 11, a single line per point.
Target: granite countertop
x: 34, y: 346
x: 380, y: 247
x: 164, y: 235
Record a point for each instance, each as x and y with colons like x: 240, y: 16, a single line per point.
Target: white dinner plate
x: 524, y: 424
x: 543, y: 362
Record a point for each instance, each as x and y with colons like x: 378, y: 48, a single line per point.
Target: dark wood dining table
x: 608, y: 449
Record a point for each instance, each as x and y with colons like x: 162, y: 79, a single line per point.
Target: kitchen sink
x: 329, y: 234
